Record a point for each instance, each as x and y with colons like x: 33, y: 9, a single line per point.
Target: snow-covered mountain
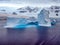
x: 22, y: 10
x: 29, y: 9
x: 7, y: 10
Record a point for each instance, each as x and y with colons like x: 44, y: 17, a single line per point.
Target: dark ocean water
x: 30, y: 36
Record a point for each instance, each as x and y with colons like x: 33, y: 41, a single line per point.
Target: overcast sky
x: 31, y: 2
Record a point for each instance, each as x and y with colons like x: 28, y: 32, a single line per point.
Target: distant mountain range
x: 6, y: 9
x: 11, y: 10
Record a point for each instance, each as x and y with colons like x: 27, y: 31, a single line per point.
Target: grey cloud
x: 31, y: 1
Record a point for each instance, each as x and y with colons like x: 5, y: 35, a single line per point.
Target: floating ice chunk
x: 43, y: 18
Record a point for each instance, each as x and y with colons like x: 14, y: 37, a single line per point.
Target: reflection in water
x: 42, y: 35
x: 27, y: 36
x: 31, y: 35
